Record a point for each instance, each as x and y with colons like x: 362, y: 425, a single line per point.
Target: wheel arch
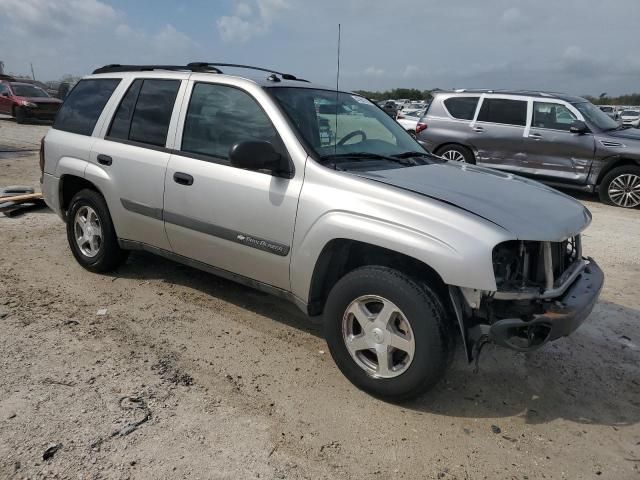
x: 342, y: 255
x: 620, y: 162
x: 71, y: 184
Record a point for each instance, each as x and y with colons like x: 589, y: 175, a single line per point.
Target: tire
x: 20, y: 115
x: 103, y: 255
x: 417, y: 306
x: 456, y: 153
x: 625, y: 177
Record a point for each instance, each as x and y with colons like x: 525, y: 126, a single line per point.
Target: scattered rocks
x: 495, y: 429
x: 51, y: 450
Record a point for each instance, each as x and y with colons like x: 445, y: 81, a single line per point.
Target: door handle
x: 535, y: 136
x: 183, y: 178
x: 105, y: 160
x: 478, y: 129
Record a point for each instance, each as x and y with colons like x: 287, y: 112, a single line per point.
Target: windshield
x: 359, y: 127
x: 606, y: 109
x: 630, y: 113
x: 596, y: 116
x: 26, y: 90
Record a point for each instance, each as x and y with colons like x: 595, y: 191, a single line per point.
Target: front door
x: 553, y: 151
x: 497, y: 133
x: 5, y: 100
x: 236, y: 220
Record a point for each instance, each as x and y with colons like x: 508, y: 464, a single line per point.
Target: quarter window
x: 220, y: 116
x: 122, y: 119
x: 552, y: 115
x: 462, y: 108
x: 504, y: 111
x: 83, y: 106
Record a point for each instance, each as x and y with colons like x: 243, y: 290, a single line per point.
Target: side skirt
x: 234, y: 277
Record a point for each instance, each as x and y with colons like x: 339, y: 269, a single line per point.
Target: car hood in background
x: 527, y: 209
x: 630, y: 133
x: 43, y: 100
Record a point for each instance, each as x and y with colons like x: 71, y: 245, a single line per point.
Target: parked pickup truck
x: 399, y: 253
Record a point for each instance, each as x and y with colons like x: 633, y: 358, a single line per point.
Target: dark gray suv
x: 555, y: 138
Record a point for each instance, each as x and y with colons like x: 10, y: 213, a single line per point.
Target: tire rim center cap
x: 378, y: 335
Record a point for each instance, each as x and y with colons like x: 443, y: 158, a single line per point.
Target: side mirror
x: 259, y: 155
x: 578, y: 126
x: 4, y: 94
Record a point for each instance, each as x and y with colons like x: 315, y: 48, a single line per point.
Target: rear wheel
x: 456, y: 153
x: 386, y: 333
x: 621, y: 187
x: 91, y: 235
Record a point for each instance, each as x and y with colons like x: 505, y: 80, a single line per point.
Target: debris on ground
x: 495, y: 429
x: 51, y: 450
x: 101, y: 312
x: 169, y: 372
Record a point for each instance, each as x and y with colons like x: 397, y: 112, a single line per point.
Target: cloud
x: 75, y: 36
x: 248, y: 22
x: 411, y: 71
x: 511, y: 15
x: 373, y: 72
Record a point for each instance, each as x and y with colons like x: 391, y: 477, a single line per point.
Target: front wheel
x: 20, y: 115
x: 90, y: 233
x: 387, y: 334
x: 621, y: 187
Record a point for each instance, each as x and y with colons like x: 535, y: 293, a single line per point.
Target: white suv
x: 321, y: 198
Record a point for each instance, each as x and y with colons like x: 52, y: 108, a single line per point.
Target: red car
x: 25, y: 101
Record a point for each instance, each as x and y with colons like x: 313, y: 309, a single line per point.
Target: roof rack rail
x: 285, y: 76
x: 200, y: 67
x: 116, y: 67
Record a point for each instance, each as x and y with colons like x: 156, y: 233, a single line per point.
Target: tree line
x: 629, y: 99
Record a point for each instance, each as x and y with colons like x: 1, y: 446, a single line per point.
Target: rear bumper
x: 40, y: 114
x: 50, y: 186
x: 562, y: 316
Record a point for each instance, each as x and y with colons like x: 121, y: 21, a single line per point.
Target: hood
x: 630, y: 133
x: 39, y: 99
x: 527, y: 209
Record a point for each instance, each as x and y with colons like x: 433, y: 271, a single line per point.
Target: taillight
x: 420, y: 127
x: 42, y: 156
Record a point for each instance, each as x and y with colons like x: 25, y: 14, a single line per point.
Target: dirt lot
x: 191, y: 376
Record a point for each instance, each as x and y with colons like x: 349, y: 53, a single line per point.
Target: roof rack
x: 200, y: 67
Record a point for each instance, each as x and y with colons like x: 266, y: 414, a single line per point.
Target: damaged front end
x: 545, y: 290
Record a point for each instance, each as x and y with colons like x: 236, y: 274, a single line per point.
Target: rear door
x: 554, y: 152
x: 130, y: 157
x: 498, y: 131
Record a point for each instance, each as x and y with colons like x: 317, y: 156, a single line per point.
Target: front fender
x: 466, y: 264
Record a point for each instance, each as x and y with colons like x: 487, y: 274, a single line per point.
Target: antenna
x: 335, y: 140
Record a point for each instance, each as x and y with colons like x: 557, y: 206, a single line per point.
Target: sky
x: 573, y: 46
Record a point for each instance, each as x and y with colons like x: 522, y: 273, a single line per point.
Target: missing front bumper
x: 562, y: 316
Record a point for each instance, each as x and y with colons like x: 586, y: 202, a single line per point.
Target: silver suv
x: 558, y: 139
x: 399, y: 253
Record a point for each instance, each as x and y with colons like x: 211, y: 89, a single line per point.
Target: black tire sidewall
x: 109, y: 255
x: 603, y: 190
x: 464, y: 151
x: 20, y: 115
x: 424, y: 313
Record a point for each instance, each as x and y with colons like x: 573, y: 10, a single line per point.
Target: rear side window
x: 220, y: 116
x: 83, y: 106
x: 501, y: 110
x: 144, y: 113
x: 462, y: 108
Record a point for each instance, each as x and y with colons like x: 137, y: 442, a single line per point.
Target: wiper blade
x: 364, y: 156
x: 412, y: 154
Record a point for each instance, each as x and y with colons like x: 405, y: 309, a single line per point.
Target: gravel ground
x: 191, y: 376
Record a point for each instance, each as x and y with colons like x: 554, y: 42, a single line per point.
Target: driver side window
x: 554, y: 116
x: 220, y: 116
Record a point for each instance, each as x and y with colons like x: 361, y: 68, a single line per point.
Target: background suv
x: 558, y: 139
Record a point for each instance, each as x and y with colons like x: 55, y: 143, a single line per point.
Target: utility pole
x: 33, y: 75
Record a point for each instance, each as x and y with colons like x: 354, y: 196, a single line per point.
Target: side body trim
x: 208, y: 228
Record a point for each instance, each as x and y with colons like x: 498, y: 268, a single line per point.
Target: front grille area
x: 519, y: 265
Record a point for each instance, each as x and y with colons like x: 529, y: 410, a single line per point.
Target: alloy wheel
x: 624, y: 190
x: 378, y: 336
x: 453, y: 155
x: 88, y: 231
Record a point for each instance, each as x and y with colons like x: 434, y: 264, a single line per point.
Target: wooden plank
x: 21, y: 198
